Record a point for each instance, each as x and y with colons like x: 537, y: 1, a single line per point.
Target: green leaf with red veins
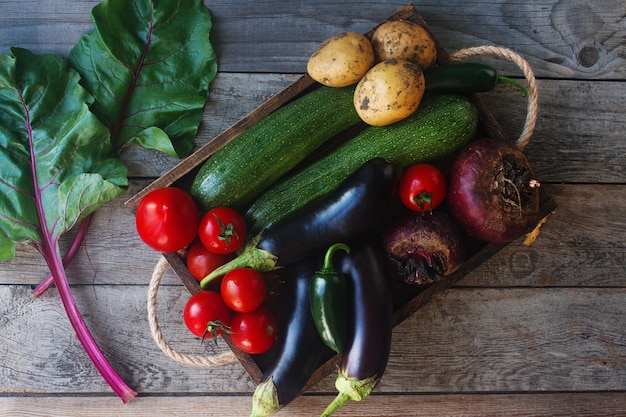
x: 57, y: 164
x: 149, y: 65
x: 56, y: 168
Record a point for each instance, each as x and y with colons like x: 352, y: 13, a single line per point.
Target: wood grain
x: 604, y: 404
x: 568, y: 252
x: 563, y: 39
x: 465, y: 340
x: 568, y: 146
x: 533, y: 331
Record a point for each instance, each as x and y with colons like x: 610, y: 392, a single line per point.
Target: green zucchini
x: 441, y: 125
x: 255, y: 159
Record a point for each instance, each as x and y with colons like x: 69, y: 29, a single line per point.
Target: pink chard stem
x: 78, y: 240
x: 52, y: 255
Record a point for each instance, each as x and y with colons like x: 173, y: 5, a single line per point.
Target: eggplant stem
x: 350, y: 389
x: 339, y: 401
x: 265, y: 400
x: 250, y: 256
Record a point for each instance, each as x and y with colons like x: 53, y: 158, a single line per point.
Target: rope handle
x: 532, y: 107
x: 229, y: 357
x: 157, y: 335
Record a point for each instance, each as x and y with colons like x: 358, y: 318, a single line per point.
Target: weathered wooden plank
x: 40, y: 352
x: 582, y: 244
x: 578, y: 137
x: 466, y: 340
x: 580, y: 39
x: 579, y: 129
x: 513, y: 340
x: 533, y: 331
x: 458, y: 405
x: 232, y: 96
x: 568, y: 252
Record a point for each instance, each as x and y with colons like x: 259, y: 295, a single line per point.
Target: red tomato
x: 254, y: 332
x: 167, y: 219
x: 422, y: 187
x: 222, y: 230
x: 206, y: 315
x: 200, y: 261
x: 243, y: 289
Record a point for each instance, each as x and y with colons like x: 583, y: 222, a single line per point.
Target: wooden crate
x: 407, y: 303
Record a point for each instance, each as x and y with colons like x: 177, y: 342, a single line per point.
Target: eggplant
x: 298, y: 350
x: 356, y: 208
x: 369, y: 321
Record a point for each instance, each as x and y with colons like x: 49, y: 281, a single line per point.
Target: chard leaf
x: 56, y: 159
x: 148, y: 64
x: 154, y: 138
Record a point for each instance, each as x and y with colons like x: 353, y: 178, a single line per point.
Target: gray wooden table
x: 536, y: 330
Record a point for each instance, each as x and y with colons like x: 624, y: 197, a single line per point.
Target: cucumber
x: 255, y: 159
x: 441, y: 125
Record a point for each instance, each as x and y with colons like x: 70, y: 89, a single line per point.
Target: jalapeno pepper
x: 466, y: 77
x: 328, y: 301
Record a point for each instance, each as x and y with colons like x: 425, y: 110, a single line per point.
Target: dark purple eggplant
x: 370, y: 312
x: 356, y: 208
x: 299, y: 349
x: 424, y: 247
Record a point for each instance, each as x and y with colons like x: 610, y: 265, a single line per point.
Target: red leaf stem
x: 69, y: 256
x: 52, y: 256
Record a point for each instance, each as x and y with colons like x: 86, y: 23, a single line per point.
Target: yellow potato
x: 341, y: 60
x: 389, y: 92
x: 404, y: 40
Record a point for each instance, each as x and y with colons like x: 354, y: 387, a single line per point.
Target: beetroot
x: 492, y: 191
x: 425, y: 247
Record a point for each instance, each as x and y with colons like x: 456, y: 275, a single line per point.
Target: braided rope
x: 157, y: 335
x: 531, y: 115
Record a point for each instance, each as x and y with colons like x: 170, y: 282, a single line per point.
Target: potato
x: 404, y: 40
x: 389, y: 92
x: 341, y: 60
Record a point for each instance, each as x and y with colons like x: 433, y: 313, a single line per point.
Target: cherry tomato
x: 167, y: 219
x: 200, y: 261
x: 206, y: 315
x: 254, y: 332
x: 422, y: 187
x: 243, y: 289
x: 222, y: 230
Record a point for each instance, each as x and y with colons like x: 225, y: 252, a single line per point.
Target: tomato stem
x: 227, y: 231
x: 422, y: 199
x: 212, y: 328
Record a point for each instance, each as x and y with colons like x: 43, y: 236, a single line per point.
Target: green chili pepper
x: 328, y: 301
x: 466, y: 77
